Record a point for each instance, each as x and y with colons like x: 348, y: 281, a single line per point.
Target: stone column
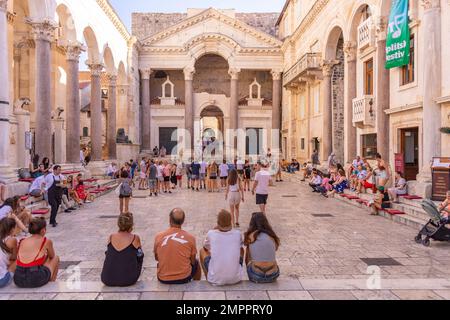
x: 234, y: 108
x: 7, y: 175
x: 43, y: 32
x: 96, y: 112
x: 112, y: 118
x: 73, y: 104
x: 432, y: 68
x: 276, y: 100
x: 350, y: 94
x: 275, y: 134
x: 189, y: 106
x: 327, y: 135
x: 146, y: 117
x: 382, y: 97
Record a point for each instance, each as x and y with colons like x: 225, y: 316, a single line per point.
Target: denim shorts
x: 6, y: 280
x: 32, y: 277
x: 152, y: 183
x: 257, y: 277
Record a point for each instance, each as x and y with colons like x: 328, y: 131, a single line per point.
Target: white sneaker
x: 87, y: 201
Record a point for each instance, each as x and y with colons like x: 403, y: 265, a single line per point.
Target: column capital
x: 189, y: 73
x: 3, y: 5
x: 350, y: 50
x: 42, y: 30
x: 328, y: 67
x: 73, y: 51
x: 430, y: 4
x: 234, y: 73
x: 146, y: 73
x: 381, y: 23
x: 276, y: 74
x: 96, y: 69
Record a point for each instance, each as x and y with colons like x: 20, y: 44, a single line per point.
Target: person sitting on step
x: 124, y: 256
x: 176, y: 252
x: 37, y: 262
x: 261, y: 245
x: 222, y: 254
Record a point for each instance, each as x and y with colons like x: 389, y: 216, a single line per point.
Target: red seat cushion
x: 40, y: 211
x: 412, y: 197
x: 26, y: 180
x: 24, y: 198
x: 362, y: 201
x: 393, y: 211
x: 353, y: 198
x: 70, y: 172
x: 90, y: 180
x: 95, y: 191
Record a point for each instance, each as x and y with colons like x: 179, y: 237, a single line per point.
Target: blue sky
x: 125, y: 7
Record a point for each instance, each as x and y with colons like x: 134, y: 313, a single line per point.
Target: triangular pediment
x: 210, y: 24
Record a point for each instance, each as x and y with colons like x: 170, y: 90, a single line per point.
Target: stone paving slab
x: 317, y: 254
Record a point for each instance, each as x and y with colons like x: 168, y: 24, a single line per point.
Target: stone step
x: 411, y: 210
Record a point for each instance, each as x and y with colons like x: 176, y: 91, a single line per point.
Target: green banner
x: 398, y: 35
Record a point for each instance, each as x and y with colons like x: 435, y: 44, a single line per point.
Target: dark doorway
x: 254, y: 141
x: 169, y: 139
x: 409, y: 140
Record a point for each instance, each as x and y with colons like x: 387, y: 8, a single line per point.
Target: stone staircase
x: 409, y: 211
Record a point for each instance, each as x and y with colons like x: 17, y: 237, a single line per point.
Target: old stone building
x: 208, y: 71
x: 338, y: 96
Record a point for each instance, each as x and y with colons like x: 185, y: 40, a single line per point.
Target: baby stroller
x: 435, y: 228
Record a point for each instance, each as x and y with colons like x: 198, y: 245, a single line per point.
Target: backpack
x: 24, y: 173
x: 125, y: 189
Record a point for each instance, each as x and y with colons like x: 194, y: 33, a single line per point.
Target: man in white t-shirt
x: 37, y: 186
x: 222, y: 254
x: 223, y: 170
x: 261, y: 186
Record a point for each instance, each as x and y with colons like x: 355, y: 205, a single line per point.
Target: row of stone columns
x: 189, y: 101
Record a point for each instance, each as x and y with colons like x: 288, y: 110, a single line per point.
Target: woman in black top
x: 247, y: 175
x: 124, y: 256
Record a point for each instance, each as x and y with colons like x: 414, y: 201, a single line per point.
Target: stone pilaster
x: 73, y: 104
x: 327, y: 135
x: 382, y: 96
x: 96, y: 112
x: 432, y: 69
x: 350, y: 94
x: 146, y: 112
x: 189, y: 105
x: 43, y: 33
x: 112, y: 117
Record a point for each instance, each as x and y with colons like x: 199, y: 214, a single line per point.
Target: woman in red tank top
x: 37, y: 263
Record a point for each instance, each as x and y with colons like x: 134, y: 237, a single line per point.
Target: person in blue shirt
x: 133, y: 165
x: 195, y: 167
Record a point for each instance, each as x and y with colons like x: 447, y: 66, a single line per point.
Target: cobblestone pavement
x: 323, y: 244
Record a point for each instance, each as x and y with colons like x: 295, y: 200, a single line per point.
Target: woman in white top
x: 8, y: 251
x: 11, y: 209
x: 234, y: 195
x: 399, y: 188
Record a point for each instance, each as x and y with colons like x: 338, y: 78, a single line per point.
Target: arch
x: 92, y: 44
x: 212, y: 43
x: 67, y: 23
x: 333, y: 35
x: 355, y: 19
x: 108, y: 58
x: 212, y: 64
x: 211, y: 111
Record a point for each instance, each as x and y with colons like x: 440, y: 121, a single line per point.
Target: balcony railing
x: 309, y: 62
x: 366, y: 34
x: 363, y: 111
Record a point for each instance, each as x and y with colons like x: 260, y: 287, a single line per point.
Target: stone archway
x: 211, y: 128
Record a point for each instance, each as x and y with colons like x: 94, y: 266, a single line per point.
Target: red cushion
x: 412, y: 197
x: 95, y: 191
x: 26, y: 180
x: 70, y: 172
x: 393, y: 211
x: 24, y: 198
x: 91, y: 180
x: 353, y: 198
x: 40, y: 211
x: 362, y: 201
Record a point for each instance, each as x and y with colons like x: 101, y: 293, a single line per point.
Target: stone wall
x: 265, y: 22
x: 211, y: 75
x: 147, y: 24
x: 338, y: 103
x: 176, y: 77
